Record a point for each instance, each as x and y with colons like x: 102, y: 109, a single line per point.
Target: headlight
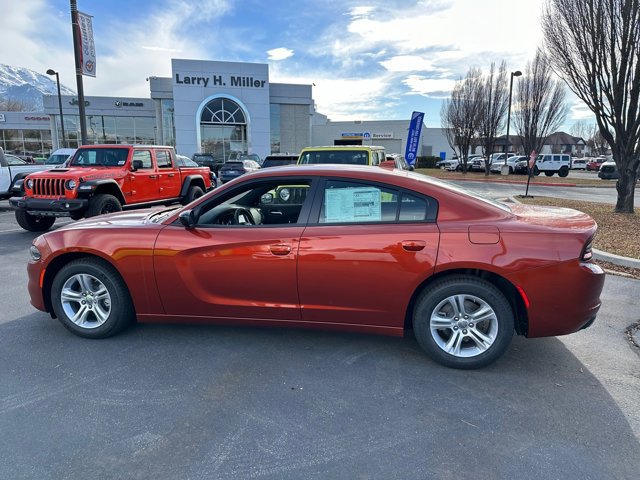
x: 29, y: 183
x: 285, y: 194
x: 71, y: 184
x: 35, y: 253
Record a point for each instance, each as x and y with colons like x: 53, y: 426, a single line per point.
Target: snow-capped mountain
x: 27, y: 86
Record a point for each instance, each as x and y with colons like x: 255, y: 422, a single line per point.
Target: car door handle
x: 171, y: 175
x: 280, y: 249
x: 413, y: 245
x: 153, y: 176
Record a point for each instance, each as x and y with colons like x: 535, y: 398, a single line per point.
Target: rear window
x: 340, y: 157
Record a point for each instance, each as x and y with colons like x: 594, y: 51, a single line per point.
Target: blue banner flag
x: 413, y: 139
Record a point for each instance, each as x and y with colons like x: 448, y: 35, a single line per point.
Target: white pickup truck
x: 12, y: 171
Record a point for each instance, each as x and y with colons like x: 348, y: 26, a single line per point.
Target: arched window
x: 223, y: 129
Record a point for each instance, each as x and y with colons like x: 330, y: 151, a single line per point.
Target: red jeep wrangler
x: 107, y: 178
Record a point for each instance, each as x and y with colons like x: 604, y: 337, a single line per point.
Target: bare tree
x: 597, y: 143
x: 539, y: 106
x: 459, y: 114
x: 494, y: 99
x: 594, y: 46
x: 582, y: 129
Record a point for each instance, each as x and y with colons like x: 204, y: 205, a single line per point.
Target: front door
x: 240, y: 260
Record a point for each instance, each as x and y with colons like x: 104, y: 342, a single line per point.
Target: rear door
x: 169, y: 179
x: 143, y: 181
x: 366, y: 249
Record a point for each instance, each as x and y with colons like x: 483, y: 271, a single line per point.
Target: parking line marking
x: 22, y: 230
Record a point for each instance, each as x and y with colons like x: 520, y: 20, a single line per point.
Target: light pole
x: 517, y: 73
x: 53, y: 72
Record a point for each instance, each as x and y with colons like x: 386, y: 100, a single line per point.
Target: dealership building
x: 207, y: 106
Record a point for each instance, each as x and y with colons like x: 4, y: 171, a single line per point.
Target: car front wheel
x: 91, y: 299
x: 463, y: 322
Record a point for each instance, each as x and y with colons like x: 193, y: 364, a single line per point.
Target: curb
x: 616, y: 259
x: 512, y: 182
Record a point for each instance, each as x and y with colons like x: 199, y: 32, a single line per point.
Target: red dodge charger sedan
x: 333, y: 247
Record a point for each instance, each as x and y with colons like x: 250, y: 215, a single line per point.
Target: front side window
x: 270, y: 202
x: 142, y: 159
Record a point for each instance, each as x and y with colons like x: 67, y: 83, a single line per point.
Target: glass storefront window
x: 168, y: 126
x: 275, y: 127
x: 223, y: 129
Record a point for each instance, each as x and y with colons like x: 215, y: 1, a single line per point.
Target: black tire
x: 536, y: 170
x: 549, y: 174
x: 76, y: 216
x: 459, y: 168
x: 102, y: 204
x: 510, y: 170
x: 193, y: 193
x: 34, y: 223
x: 563, y: 172
x: 474, y: 292
x: 120, y: 307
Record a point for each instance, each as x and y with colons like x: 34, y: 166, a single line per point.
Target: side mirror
x: 187, y: 219
x: 137, y: 165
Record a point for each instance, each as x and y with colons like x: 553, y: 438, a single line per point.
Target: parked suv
x: 234, y: 168
x: 343, y: 155
x: 279, y: 159
x: 107, y: 178
x: 208, y: 160
x: 552, y: 163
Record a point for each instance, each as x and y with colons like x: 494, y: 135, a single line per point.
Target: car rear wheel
x: 549, y: 174
x: 463, y: 322
x: 536, y: 170
x: 193, y: 193
x: 34, y: 223
x: 91, y: 300
x: 102, y: 204
x: 563, y: 172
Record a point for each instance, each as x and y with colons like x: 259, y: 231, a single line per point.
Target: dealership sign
x: 413, y: 138
x: 219, y: 81
x: 367, y: 135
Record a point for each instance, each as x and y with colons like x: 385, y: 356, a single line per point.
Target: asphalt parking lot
x: 218, y: 402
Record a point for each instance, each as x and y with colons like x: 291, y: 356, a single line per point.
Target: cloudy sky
x: 368, y: 59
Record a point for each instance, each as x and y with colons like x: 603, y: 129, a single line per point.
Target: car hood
x: 554, y: 217
x: 120, y: 219
x: 80, y: 172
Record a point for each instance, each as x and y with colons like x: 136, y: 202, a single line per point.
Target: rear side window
x: 413, y: 208
x: 347, y: 202
x: 163, y: 158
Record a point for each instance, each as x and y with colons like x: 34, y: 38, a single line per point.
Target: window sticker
x: 121, y: 162
x: 359, y: 204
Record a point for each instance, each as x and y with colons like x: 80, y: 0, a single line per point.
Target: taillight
x: 587, y: 253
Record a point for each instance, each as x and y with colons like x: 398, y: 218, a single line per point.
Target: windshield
x: 345, y: 157
x: 56, y: 159
x: 100, y: 157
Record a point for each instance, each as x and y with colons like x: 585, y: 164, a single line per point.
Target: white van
x: 60, y: 156
x: 552, y: 163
